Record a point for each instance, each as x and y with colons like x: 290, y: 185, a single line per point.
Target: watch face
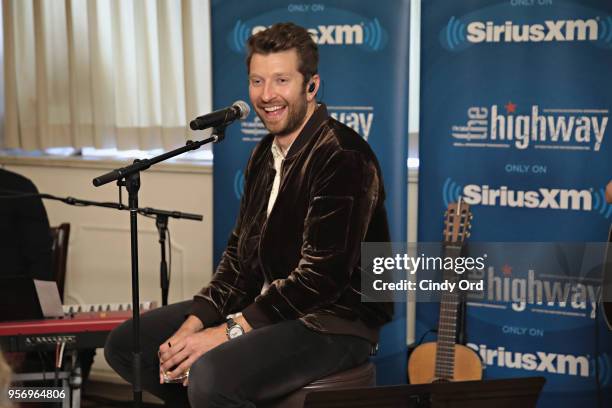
x: 235, y: 331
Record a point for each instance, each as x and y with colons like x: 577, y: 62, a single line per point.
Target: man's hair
x: 284, y: 37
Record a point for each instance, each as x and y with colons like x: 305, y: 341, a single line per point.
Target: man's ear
x: 312, y: 87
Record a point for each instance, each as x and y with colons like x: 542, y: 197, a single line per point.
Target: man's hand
x: 191, y: 325
x: 178, y: 356
x: 609, y: 192
x: 181, y: 350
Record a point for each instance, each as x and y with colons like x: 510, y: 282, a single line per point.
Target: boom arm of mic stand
x: 117, y: 206
x: 173, y: 214
x: 140, y: 165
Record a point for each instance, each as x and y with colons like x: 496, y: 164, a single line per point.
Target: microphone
x: 223, y: 117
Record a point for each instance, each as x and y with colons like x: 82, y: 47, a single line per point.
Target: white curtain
x: 128, y: 74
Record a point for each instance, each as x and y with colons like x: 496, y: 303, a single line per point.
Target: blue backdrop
x: 364, y: 68
x: 514, y: 117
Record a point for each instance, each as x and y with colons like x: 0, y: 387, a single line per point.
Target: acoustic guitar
x: 444, y: 360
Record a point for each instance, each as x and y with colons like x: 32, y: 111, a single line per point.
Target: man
x: 313, y: 192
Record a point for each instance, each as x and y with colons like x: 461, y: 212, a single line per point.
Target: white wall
x: 99, y: 252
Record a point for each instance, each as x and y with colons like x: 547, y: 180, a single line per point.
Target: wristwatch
x: 233, y: 329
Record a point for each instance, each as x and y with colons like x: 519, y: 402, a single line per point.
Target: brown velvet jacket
x: 331, y: 198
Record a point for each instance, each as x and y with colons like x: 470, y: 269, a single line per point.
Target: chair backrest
x: 60, y: 236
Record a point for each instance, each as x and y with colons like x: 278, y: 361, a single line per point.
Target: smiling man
x: 284, y: 306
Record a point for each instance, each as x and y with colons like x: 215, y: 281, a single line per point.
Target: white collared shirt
x: 279, y: 155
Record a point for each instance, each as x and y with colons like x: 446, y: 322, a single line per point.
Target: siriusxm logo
x: 554, y: 198
x: 331, y: 34
x: 540, y: 128
x: 457, y: 35
x: 561, y: 30
x: 539, y: 361
x: 541, y: 198
x: 367, y: 34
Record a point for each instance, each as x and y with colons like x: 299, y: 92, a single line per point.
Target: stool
x: 360, y: 376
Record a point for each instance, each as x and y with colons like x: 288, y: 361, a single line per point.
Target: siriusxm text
x: 549, y: 30
x: 331, y: 34
x: 539, y: 361
x: 551, y: 198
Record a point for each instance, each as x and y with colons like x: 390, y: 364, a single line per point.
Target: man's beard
x: 295, y: 117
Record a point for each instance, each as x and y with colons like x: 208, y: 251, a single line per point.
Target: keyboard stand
x: 69, y: 377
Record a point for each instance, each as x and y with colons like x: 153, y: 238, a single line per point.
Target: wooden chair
x: 60, y: 236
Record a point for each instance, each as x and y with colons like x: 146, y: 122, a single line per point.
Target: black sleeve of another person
x: 28, y: 229
x: 36, y: 239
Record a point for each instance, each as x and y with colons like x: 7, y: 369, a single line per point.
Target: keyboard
x: 78, y: 329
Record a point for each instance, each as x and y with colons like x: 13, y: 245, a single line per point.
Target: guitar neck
x: 447, y: 323
x: 447, y: 334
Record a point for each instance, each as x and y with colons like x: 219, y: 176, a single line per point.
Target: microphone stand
x: 129, y: 177
x: 161, y: 222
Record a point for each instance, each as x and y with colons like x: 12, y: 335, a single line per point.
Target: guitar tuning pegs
x: 467, y: 235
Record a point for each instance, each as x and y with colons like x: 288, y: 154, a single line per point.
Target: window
x: 112, y: 75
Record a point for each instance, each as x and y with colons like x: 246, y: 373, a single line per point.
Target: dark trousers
x: 261, y: 365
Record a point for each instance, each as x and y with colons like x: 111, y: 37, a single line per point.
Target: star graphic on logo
x: 510, y: 107
x: 507, y: 270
